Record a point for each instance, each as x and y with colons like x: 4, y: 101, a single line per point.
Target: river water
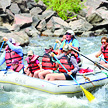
x: 25, y: 98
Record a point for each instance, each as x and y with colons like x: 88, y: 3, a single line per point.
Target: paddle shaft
x: 2, y: 45
x: 23, y: 54
x: 90, y: 59
x: 55, y: 45
x: 103, y: 59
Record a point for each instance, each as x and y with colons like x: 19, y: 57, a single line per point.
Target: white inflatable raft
x: 53, y: 87
x: 12, y: 80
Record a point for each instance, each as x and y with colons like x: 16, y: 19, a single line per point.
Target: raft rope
x: 87, y: 78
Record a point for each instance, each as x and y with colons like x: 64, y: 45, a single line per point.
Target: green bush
x: 64, y: 8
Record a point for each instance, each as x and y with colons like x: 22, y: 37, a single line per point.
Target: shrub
x: 64, y: 8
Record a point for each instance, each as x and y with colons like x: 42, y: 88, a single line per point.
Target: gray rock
x: 59, y: 32
x: 14, y: 8
x: 20, y: 37
x: 60, y: 21
x: 35, y: 11
x: 4, y: 4
x: 80, y: 25
x: 87, y: 34
x: 47, y: 33
x: 1, y: 21
x: 100, y: 32
x: 32, y: 32
x: 35, y: 20
x: 4, y: 29
x: 23, y: 20
x: 94, y: 18
x: 10, y: 16
x: 42, y: 25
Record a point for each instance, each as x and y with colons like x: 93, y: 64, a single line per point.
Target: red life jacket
x: 66, y: 63
x: 32, y: 64
x: 11, y: 55
x: 47, y: 63
x: 20, y: 66
x: 105, y: 52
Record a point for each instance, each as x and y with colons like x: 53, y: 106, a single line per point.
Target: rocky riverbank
x: 22, y: 19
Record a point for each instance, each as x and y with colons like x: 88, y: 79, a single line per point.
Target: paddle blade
x: 89, y: 96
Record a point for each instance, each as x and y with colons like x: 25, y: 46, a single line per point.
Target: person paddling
x: 72, y: 41
x: 16, y: 66
x: 68, y: 61
x: 103, y: 51
x: 12, y: 51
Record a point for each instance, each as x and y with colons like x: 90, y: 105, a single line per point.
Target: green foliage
x: 64, y: 8
x: 36, y: 1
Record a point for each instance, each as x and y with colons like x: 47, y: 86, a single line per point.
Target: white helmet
x: 71, y: 32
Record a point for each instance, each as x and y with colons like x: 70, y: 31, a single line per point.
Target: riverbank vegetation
x: 64, y: 8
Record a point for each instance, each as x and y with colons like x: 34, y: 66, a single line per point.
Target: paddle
x: 89, y: 96
x: 96, y: 63
x: 103, y: 59
x: 55, y: 45
x: 2, y: 45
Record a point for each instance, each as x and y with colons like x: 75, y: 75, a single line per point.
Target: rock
x: 87, y: 34
x: 10, y: 16
x: 4, y: 29
x: 94, y: 18
x: 1, y: 9
x: 49, y: 24
x: 14, y: 8
x: 32, y: 32
x: 1, y: 21
x: 22, y: 20
x: 35, y: 11
x: 100, y: 32
x: 83, y: 12
x: 4, y: 4
x: 20, y: 37
x: 41, y: 5
x: 103, y: 4
x: 35, y: 20
x: 101, y: 24
x: 103, y: 13
x: 48, y: 14
x: 47, y: 32
x: 60, y: 22
x: 31, y: 4
x: 80, y: 25
x: 42, y: 25
x: 93, y: 3
x: 59, y: 32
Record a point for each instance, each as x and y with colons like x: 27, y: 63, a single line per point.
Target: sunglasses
x: 29, y: 55
x: 67, y: 33
x: 14, y: 64
x: 103, y: 42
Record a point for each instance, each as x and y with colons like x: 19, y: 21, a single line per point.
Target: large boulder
x: 4, y: 4
x: 22, y: 20
x: 20, y: 37
x: 80, y: 25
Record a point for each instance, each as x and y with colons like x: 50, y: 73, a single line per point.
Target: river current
x: 24, y: 98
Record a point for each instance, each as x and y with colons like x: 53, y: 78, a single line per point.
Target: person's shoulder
x: 75, y: 39
x: 64, y: 41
